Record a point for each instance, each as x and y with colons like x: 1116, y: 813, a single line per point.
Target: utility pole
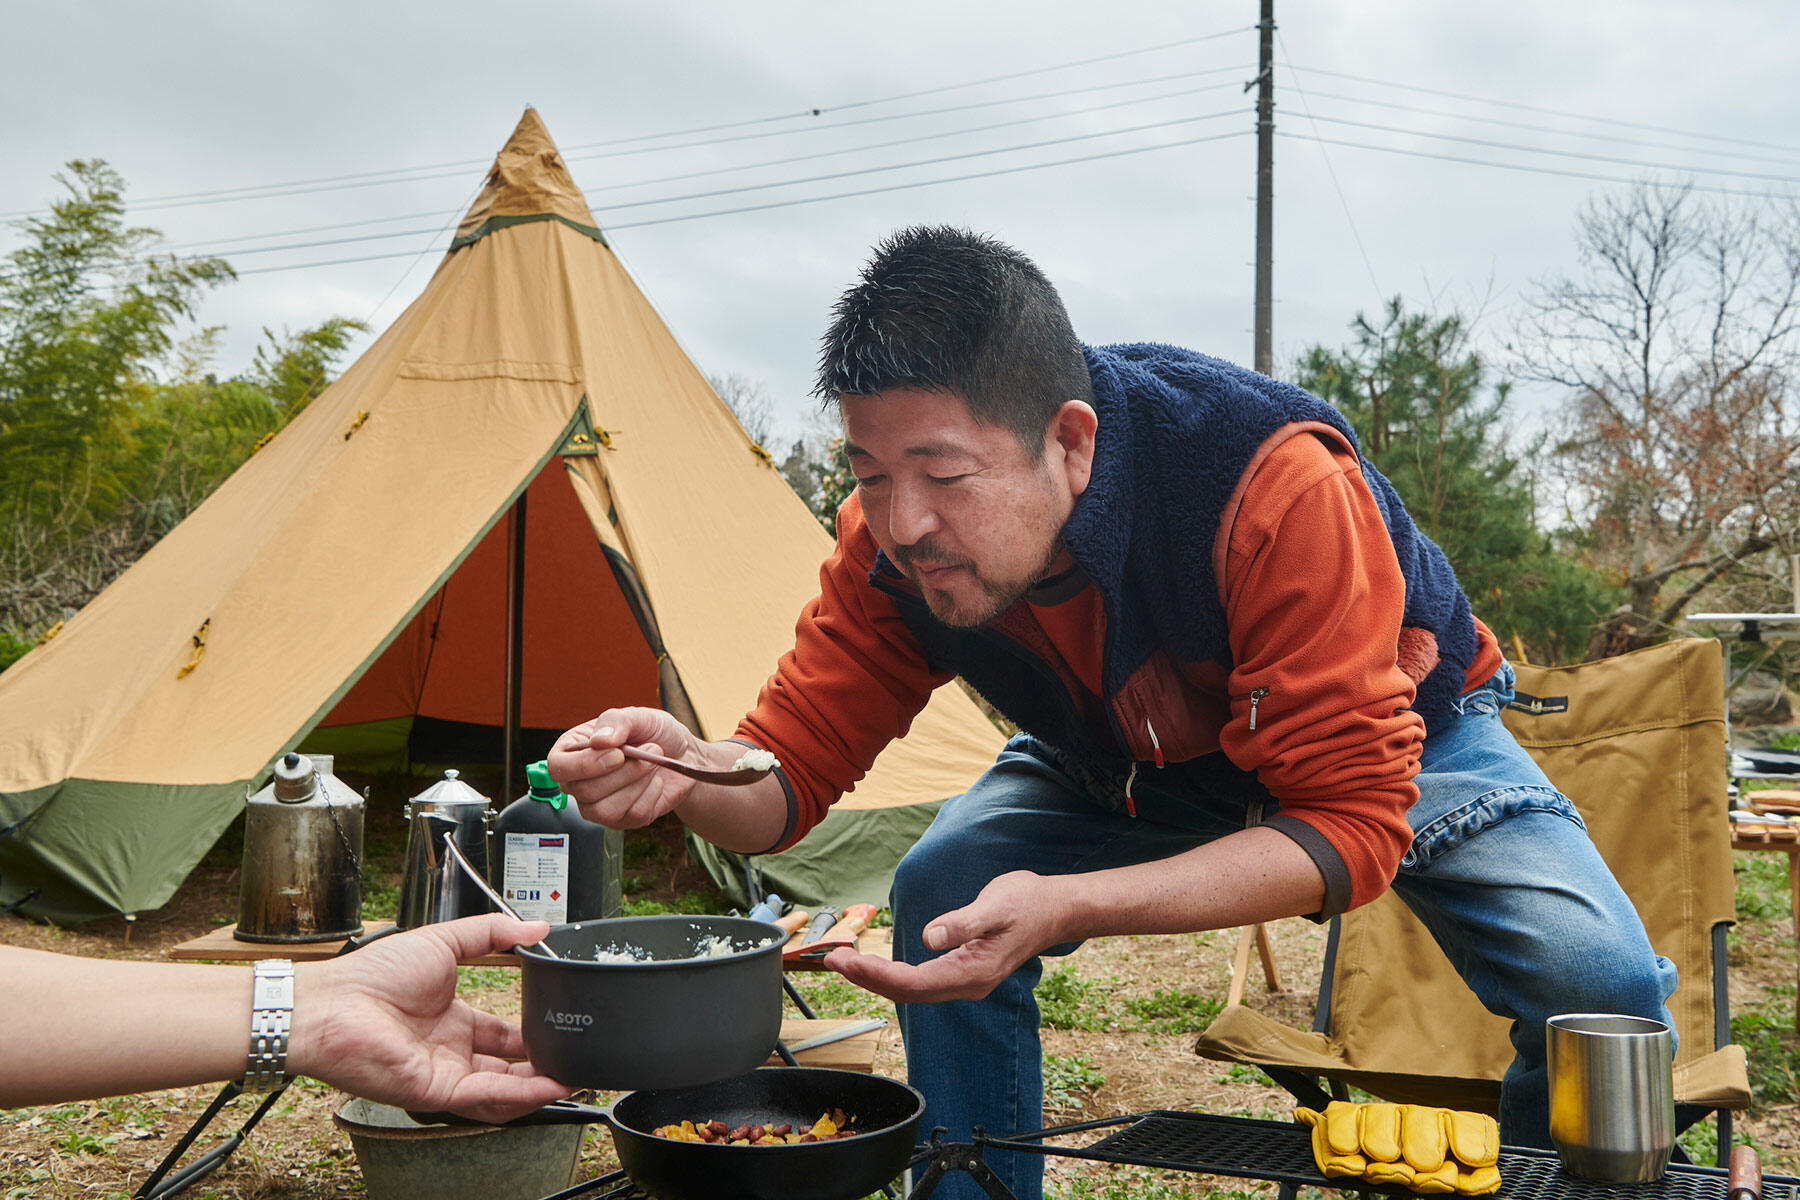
x: 1265, y: 192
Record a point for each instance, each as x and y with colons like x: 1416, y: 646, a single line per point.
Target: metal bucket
x: 402, y: 1159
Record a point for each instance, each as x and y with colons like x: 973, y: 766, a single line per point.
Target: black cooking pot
x: 884, y: 1111
x: 670, y: 1018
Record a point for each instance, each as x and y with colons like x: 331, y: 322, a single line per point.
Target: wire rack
x: 1280, y: 1152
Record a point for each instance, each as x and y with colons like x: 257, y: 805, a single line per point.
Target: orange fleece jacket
x: 1335, y: 741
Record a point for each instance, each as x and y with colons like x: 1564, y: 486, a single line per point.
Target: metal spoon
x: 735, y: 778
x: 472, y: 873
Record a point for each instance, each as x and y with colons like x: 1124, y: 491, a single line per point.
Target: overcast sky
x: 202, y: 105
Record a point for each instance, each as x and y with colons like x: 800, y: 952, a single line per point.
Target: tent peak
x: 528, y: 179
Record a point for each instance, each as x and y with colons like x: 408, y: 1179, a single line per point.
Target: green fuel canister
x: 553, y: 864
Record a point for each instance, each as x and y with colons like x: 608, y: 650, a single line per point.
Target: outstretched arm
x: 383, y: 1023
x: 1249, y: 876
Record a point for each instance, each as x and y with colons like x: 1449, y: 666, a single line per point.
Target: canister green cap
x: 543, y: 787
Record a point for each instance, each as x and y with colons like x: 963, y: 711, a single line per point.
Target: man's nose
x: 911, y: 515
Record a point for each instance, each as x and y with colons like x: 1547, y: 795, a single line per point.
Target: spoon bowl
x: 737, y: 778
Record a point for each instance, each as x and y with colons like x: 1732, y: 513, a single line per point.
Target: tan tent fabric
x: 1638, y: 742
x: 528, y: 179
x: 360, y: 529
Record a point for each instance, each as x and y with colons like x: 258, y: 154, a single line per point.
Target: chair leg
x: 1794, y: 908
x: 1267, y: 954
x: 1240, y: 966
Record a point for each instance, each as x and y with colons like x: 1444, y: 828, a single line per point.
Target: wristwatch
x: 271, y: 1017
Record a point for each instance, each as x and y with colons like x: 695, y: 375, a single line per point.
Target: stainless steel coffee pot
x: 428, y: 891
x: 303, y: 843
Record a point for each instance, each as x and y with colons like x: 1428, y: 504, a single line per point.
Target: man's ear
x: 1071, y: 432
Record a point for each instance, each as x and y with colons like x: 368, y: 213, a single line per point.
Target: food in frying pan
x: 829, y: 1127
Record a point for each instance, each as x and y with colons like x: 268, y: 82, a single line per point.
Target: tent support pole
x: 515, y: 642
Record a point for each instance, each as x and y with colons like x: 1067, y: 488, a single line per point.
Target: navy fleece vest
x: 1176, y: 431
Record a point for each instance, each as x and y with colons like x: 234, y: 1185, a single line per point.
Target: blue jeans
x: 1501, y: 871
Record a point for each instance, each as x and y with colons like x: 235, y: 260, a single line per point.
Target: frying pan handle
x: 560, y: 1112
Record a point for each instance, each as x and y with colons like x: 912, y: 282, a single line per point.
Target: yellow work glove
x: 1426, y: 1150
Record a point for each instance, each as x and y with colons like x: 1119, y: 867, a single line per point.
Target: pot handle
x: 357, y: 943
x: 560, y: 1112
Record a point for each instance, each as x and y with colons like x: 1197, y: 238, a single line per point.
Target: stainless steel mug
x: 1612, y: 1095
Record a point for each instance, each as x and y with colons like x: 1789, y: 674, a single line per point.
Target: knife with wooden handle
x: 856, y: 918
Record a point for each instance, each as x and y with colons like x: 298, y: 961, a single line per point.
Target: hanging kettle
x: 302, y: 870
x: 429, y: 892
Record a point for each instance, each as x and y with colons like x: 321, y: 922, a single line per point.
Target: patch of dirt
x: 107, y: 1148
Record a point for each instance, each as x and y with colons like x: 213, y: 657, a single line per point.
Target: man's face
x: 963, y: 509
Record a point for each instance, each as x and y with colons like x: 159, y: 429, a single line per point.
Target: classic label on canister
x: 536, y: 875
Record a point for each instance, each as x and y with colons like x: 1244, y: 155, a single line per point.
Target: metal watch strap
x: 271, y: 1017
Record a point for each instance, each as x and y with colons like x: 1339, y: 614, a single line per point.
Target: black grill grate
x: 1273, y: 1150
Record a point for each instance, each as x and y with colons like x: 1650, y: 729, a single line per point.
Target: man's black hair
x: 947, y: 310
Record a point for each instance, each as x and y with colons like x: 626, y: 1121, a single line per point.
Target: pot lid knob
x: 295, y: 779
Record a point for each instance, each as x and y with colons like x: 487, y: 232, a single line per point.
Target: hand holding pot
x: 983, y: 942
x: 385, y: 1024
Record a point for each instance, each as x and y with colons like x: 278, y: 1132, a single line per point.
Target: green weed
x: 86, y: 1143
x: 1767, y: 1036
x: 692, y: 903
x: 832, y: 997
x: 1116, y: 1182
x: 1065, y: 1077
x: 1239, y: 1073
x: 1066, y: 1000
x: 1168, y: 1011
x: 483, y: 979
x: 1762, y: 886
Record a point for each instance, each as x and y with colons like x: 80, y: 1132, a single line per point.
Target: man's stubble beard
x: 996, y: 598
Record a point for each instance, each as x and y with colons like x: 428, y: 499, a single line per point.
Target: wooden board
x: 220, y: 946
x: 851, y: 1054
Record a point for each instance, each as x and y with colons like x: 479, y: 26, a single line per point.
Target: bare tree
x: 749, y: 402
x: 1678, y: 347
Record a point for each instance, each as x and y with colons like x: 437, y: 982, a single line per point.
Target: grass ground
x: 1120, y: 1017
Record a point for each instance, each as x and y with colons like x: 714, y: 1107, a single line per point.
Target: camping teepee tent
x: 354, y: 576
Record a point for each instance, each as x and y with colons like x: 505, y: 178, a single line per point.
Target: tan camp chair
x: 1638, y: 742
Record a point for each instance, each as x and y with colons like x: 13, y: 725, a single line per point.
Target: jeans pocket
x: 1454, y: 828
x: 1490, y: 697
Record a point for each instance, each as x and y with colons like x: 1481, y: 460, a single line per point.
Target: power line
x: 1554, y: 112
x: 1528, y: 168
x: 1343, y: 203
x: 1072, y: 112
x: 410, y: 174
x: 1575, y: 154
x: 715, y: 193
x: 897, y: 187
x: 1536, y: 128
x: 1061, y: 94
x: 928, y: 162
